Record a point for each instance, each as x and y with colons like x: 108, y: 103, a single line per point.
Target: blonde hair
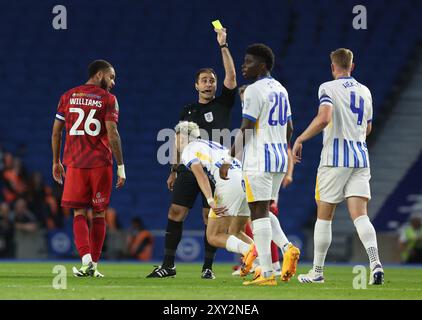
x: 189, y: 128
x: 343, y: 58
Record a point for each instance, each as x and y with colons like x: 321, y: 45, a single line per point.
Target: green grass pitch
x: 127, y: 281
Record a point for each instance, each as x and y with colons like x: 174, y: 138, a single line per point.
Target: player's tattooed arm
x: 116, y: 147
x: 56, y: 142
x: 115, y: 142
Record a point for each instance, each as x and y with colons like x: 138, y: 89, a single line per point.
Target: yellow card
x: 217, y: 24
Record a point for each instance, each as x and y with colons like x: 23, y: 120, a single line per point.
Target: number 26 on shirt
x: 88, y: 122
x: 278, y: 111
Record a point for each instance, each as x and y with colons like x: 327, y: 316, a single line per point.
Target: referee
x: 210, y: 112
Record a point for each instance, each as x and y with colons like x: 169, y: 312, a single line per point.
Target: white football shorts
x: 231, y: 194
x: 334, y: 184
x: 262, y: 186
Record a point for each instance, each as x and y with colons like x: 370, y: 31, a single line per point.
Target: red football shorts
x: 88, y: 188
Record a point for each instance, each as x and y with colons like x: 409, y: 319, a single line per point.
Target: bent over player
x: 267, y: 128
x: 90, y: 114
x: 345, y: 116
x: 229, y: 210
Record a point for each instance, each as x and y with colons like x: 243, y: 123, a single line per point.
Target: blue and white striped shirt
x: 345, y: 136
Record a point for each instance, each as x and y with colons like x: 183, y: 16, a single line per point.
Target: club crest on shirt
x: 209, y: 116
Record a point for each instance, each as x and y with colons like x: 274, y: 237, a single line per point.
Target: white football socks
x: 86, y: 259
x: 279, y: 237
x: 368, y: 237
x: 236, y: 245
x: 322, y: 241
x: 262, y: 236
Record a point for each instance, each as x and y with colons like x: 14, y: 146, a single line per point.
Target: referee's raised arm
x: 230, y: 71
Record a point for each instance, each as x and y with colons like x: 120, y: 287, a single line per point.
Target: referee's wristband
x: 121, y: 171
x: 209, y: 200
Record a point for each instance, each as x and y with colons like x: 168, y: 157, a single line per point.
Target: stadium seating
x: 157, y: 46
x: 405, y: 200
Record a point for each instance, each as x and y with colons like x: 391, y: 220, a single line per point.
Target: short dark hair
x: 262, y: 52
x: 204, y: 70
x: 97, y: 65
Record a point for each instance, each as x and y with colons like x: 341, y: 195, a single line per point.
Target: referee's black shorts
x: 186, y: 189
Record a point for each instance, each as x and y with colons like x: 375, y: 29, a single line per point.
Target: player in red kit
x: 90, y: 114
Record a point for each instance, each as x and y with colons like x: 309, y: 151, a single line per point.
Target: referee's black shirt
x: 215, y: 114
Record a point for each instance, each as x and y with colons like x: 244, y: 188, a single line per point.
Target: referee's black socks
x: 173, y: 236
x: 209, y: 252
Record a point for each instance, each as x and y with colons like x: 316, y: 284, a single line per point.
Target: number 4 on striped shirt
x: 358, y: 110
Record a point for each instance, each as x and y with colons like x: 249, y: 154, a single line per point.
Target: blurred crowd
x: 28, y: 204
x: 410, y: 239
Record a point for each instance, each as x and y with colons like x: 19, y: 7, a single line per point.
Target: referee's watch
x: 225, y: 45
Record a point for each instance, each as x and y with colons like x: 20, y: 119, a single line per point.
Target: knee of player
x: 212, y: 239
x: 177, y: 213
x: 234, y: 230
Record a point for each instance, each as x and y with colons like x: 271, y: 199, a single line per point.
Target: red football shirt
x: 85, y: 109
